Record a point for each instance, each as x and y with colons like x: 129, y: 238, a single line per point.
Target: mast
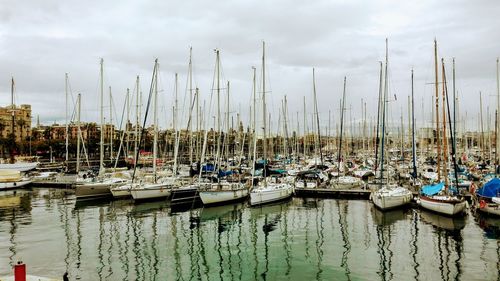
x: 111, y: 130
x: 454, y: 108
x: 453, y: 151
x: 79, y: 132
x: 101, y: 151
x: 342, y: 106
x: 176, y: 132
x: 217, y: 63
x: 497, y: 142
x: 317, y: 118
x: 437, y: 111
x: 127, y: 102
x: 378, y: 116
x: 414, y: 156
x: 305, y: 124
x: 190, y: 104
x: 155, y: 120
x: 384, y: 100
x: 264, y: 110
x: 227, y: 136
x: 137, y: 117
x: 66, y: 117
x: 445, y: 138
x: 481, y: 124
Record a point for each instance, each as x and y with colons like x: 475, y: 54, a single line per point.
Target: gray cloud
x: 42, y: 40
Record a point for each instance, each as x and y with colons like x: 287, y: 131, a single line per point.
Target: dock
x: 333, y: 193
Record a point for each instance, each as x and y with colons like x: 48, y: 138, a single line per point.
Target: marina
x: 249, y: 140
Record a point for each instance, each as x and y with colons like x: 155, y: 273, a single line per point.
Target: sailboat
x: 100, y: 186
x: 343, y: 181
x: 389, y: 196
x: 222, y: 191
x: 438, y: 197
x: 152, y: 187
x: 267, y: 191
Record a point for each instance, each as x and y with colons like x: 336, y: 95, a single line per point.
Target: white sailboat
x: 158, y: 187
x: 267, y: 191
x: 223, y: 191
x: 389, y: 196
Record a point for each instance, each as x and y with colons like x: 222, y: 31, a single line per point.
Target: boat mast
x: 177, y: 133
x: 497, y: 142
x: 190, y: 105
x: 101, y: 151
x: 227, y: 135
x: 264, y: 110
x: 66, y: 113
x: 342, y: 107
x: 453, y: 150
x: 454, y: 108
x: 384, y: 100
x: 445, y: 138
x: 481, y: 124
x: 111, y: 129
x: 217, y: 63
x: 413, y: 129
x: 137, y: 117
x: 377, y: 139
x: 317, y: 118
x: 437, y: 111
x: 305, y: 126
x: 79, y: 133
x: 155, y: 120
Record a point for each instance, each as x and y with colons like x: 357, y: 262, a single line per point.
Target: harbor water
x: 301, y: 239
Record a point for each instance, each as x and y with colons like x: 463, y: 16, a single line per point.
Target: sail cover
x: 490, y: 189
x: 432, y: 189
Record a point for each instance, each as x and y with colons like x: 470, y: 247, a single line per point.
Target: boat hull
x: 259, y: 197
x: 388, y: 202
x: 445, y: 207
x: 120, y: 193
x: 21, y: 167
x: 490, y: 208
x: 214, y: 197
x: 15, y: 184
x: 151, y: 192
x: 93, y: 190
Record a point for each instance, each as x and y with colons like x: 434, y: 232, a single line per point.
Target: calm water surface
x: 303, y: 239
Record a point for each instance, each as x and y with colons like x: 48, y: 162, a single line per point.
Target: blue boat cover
x: 490, y: 189
x: 432, y: 189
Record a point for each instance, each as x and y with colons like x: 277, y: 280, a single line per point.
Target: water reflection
x: 320, y: 239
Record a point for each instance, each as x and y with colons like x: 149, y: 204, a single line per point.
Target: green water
x: 303, y: 239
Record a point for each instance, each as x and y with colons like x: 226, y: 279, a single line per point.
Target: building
x: 21, y: 121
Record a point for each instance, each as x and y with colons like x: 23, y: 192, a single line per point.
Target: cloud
x: 41, y: 41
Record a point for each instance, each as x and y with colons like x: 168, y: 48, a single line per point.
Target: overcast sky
x: 40, y: 41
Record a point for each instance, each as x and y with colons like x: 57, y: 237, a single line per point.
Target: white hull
x: 21, y: 167
x: 386, y: 202
x: 492, y: 208
x: 442, y: 206
x: 151, y: 191
x: 120, y: 192
x: 90, y: 190
x: 16, y: 184
x: 220, y: 196
x: 270, y: 194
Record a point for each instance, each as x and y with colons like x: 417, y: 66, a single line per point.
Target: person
x: 65, y: 276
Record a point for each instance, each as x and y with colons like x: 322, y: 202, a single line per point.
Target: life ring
x: 482, y: 204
